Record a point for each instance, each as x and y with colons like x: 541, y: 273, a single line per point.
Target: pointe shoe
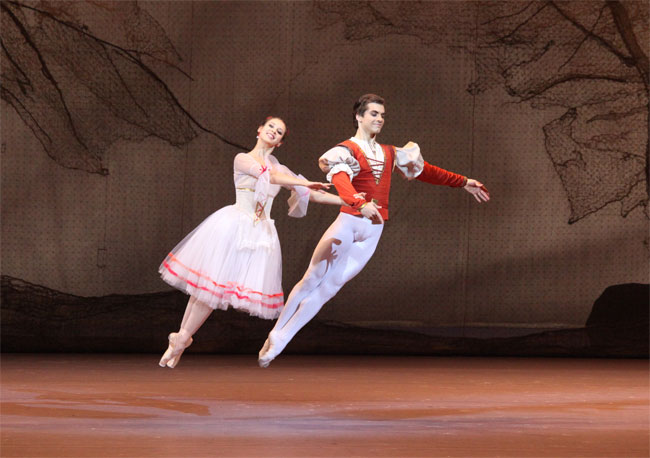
x: 175, y: 359
x: 276, y: 345
x: 172, y: 355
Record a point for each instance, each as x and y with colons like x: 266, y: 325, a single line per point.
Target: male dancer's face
x: 373, y: 119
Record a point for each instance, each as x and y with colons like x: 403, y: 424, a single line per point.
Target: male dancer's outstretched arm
x: 435, y: 175
x: 357, y: 165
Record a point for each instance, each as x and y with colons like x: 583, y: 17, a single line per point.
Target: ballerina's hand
x: 477, y: 189
x: 316, y: 186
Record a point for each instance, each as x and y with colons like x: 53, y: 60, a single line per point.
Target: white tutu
x: 233, y: 257
x: 229, y: 260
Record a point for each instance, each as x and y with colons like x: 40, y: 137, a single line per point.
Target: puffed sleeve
x: 409, y: 161
x: 299, y: 199
x: 249, y: 166
x: 339, y: 159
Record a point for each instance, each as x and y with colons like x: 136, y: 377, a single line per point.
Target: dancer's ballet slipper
x: 174, y: 361
x: 177, y: 346
x: 276, y: 345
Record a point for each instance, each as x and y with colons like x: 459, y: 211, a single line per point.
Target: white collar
x: 372, y: 143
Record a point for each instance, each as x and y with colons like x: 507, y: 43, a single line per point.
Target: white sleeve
x: 409, y: 160
x: 299, y: 199
x: 339, y: 159
x: 247, y: 165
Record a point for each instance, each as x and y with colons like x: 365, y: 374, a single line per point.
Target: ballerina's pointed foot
x: 273, y: 349
x: 177, y: 345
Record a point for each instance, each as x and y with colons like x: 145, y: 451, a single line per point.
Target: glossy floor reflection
x: 125, y: 405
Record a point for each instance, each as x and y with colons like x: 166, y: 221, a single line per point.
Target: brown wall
x: 444, y: 260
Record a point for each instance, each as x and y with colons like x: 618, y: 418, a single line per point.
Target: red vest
x: 377, y: 191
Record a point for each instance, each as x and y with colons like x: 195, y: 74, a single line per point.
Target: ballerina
x: 233, y: 258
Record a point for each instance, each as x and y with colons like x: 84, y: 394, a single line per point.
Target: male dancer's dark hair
x: 361, y: 106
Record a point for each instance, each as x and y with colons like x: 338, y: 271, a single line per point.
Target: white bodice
x: 255, y: 192
x: 247, y: 204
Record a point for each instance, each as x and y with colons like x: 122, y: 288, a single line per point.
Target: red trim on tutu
x: 228, y: 285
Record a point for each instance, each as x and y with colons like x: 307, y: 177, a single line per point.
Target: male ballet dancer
x: 357, y: 165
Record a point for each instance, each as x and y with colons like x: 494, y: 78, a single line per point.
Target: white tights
x: 343, y: 250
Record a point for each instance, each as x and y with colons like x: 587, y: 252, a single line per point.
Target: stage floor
x: 125, y: 405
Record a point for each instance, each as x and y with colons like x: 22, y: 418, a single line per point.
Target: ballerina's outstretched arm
x: 283, y: 179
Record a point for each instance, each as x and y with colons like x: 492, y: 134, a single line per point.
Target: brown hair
x: 361, y: 105
x: 286, y: 130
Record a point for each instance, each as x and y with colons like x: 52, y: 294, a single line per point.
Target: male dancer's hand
x: 477, y: 189
x: 370, y: 211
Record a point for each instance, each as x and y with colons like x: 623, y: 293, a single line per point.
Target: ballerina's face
x: 272, y: 132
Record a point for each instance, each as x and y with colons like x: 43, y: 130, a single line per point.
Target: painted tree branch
x: 96, y: 83
x: 542, y: 53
